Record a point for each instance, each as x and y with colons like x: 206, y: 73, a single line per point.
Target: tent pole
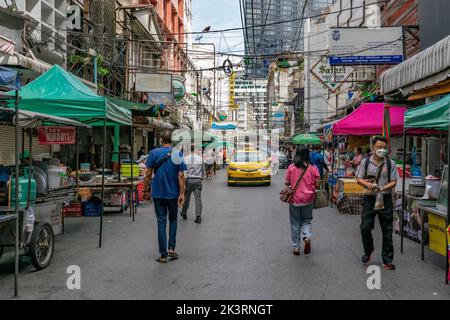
x: 132, y: 176
x: 323, y: 156
x: 103, y: 183
x: 448, y: 203
x: 23, y: 144
x: 332, y: 171
x: 403, y: 190
x: 30, y: 141
x: 16, y: 197
x: 77, y: 155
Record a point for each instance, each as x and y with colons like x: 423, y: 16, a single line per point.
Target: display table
x: 349, y: 199
x: 439, y: 241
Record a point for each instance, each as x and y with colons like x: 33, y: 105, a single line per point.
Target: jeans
x: 162, y: 207
x: 301, y: 223
x: 193, y: 185
x: 386, y: 218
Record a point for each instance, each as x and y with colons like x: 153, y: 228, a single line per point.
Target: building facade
x: 264, y: 39
x: 250, y: 98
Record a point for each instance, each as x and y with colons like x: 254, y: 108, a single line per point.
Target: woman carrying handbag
x: 301, y: 179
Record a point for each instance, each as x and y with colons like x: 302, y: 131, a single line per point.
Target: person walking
x: 275, y: 161
x: 168, y: 189
x: 301, y: 210
x: 194, y: 177
x: 318, y: 160
x: 379, y: 175
x: 209, y: 162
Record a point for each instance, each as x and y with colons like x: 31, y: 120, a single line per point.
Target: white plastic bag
x: 379, y: 202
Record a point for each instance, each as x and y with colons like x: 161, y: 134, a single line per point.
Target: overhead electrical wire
x: 264, y: 25
x: 300, y: 28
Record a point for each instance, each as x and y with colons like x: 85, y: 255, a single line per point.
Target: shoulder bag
x: 321, y: 199
x: 287, y: 194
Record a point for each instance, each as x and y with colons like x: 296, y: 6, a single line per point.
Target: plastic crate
x: 73, y: 210
x: 140, y: 188
x: 92, y: 208
x: 125, y: 170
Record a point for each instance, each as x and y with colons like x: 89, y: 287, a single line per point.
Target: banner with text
x: 56, y: 135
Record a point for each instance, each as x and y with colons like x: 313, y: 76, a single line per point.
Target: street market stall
x: 59, y: 93
x: 367, y: 120
x: 27, y: 219
x: 436, y: 118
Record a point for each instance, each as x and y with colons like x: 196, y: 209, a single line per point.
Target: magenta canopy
x: 368, y: 120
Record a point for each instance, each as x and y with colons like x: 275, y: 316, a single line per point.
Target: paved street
x: 240, y: 251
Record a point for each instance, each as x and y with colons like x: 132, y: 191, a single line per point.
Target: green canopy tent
x: 430, y: 119
x: 306, y: 138
x: 59, y: 93
x: 434, y: 116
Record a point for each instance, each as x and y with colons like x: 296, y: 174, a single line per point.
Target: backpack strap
x: 300, y: 179
x: 366, y: 165
x: 161, y: 161
x: 389, y: 168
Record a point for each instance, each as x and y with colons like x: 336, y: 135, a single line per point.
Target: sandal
x: 173, y: 255
x: 162, y: 259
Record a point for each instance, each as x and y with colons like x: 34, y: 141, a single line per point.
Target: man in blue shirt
x: 168, y: 188
x: 317, y: 159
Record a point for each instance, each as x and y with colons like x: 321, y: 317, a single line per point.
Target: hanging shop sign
x: 227, y: 67
x: 56, y: 135
x: 366, y: 46
x: 179, y: 90
x: 137, y: 119
x: 332, y: 77
x: 232, y: 101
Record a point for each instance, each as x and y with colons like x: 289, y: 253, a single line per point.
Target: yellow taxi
x: 249, y: 167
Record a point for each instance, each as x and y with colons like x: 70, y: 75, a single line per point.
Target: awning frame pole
x: 448, y: 206
x: 403, y: 190
x: 132, y: 175
x: 103, y: 184
x: 16, y: 196
x: 77, y: 155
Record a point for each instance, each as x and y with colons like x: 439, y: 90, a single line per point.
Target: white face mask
x: 381, y: 153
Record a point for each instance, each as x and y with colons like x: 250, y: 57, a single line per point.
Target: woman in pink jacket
x: 301, y: 210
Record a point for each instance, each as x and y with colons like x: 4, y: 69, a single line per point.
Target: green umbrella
x: 306, y: 138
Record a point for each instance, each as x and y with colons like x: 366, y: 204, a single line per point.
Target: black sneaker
x: 366, y: 258
x: 198, y: 220
x: 183, y: 216
x: 389, y: 266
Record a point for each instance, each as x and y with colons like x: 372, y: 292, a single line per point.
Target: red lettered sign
x: 56, y: 135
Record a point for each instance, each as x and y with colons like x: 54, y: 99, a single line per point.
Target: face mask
x: 381, y: 153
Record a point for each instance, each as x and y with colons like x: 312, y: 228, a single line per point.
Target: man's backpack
x: 389, y: 167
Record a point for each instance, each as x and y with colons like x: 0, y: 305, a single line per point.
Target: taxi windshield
x: 249, y: 156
